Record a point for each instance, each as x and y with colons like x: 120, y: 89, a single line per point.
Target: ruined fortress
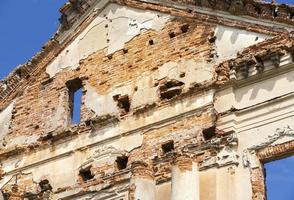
x: 181, y: 100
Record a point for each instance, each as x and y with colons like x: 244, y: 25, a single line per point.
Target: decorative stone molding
x: 184, y: 162
x: 141, y: 169
x: 227, y: 156
x: 217, y: 152
x: 249, y: 155
x: 253, y: 65
x: 113, y: 193
x: 73, y: 10
x: 276, y: 146
x: 264, y: 57
x: 103, y: 155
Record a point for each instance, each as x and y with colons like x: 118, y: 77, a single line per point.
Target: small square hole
x: 168, y: 147
x: 125, y: 51
x: 151, y: 42
x: 86, y: 174
x: 185, y: 28
x: 45, y: 185
x: 122, y: 162
x: 172, y: 35
x: 209, y: 133
x: 123, y: 102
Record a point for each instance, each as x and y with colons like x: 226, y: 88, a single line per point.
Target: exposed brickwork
x: 39, y: 102
x: 42, y: 105
x: 258, y: 9
x: 258, y: 184
x: 14, y: 85
x: 281, y: 150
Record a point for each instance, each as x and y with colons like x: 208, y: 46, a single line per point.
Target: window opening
x: 279, y: 179
x: 75, y: 99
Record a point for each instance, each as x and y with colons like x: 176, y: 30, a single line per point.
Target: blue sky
x: 25, y: 26
x: 280, y: 179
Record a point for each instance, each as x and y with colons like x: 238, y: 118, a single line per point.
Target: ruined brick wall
x: 171, y: 100
x: 40, y: 102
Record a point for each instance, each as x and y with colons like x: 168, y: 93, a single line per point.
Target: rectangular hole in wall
x: 209, y: 133
x: 168, y: 146
x: 75, y: 99
x: 122, y: 162
x: 76, y: 113
x: 86, y: 174
x: 45, y: 185
x: 279, y: 176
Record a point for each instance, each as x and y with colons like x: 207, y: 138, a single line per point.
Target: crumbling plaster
x: 70, y: 162
x: 252, y: 93
x: 59, y: 118
x: 111, y: 29
x: 194, y: 71
x: 54, y: 158
x: 5, y: 120
x: 147, y: 91
x: 116, y: 19
x: 230, y: 41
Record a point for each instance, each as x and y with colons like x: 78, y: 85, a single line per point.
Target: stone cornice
x: 256, y: 60
x: 58, y: 137
x: 283, y: 13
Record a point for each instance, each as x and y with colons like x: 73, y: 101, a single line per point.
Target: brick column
x: 142, y: 181
x: 185, y: 179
